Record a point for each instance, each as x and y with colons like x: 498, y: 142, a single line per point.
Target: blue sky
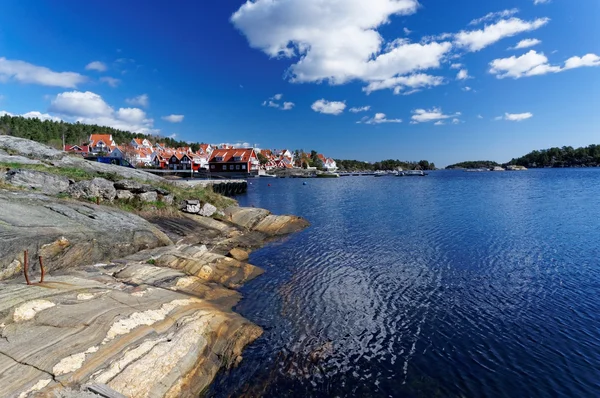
x: 288, y: 73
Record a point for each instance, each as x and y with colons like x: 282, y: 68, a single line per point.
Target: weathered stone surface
x: 124, y: 195
x: 24, y: 149
x: 129, y: 185
x: 191, y: 206
x: 207, y: 210
x: 67, y: 233
x: 246, y: 217
x: 239, y: 254
x: 281, y: 225
x: 91, y: 189
x: 44, y: 182
x: 141, y: 341
x: 148, y: 196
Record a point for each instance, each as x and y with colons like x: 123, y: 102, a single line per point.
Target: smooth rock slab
x: 47, y: 183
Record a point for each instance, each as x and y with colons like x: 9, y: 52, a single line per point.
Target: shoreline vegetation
x: 565, y: 157
x: 141, y: 275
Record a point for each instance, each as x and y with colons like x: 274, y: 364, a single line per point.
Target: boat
x: 388, y: 173
x: 412, y: 173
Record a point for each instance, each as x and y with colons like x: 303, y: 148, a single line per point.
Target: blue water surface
x: 451, y: 285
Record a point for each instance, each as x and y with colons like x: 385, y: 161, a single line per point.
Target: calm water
x: 454, y: 285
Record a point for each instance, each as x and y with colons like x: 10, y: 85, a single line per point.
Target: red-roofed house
x: 234, y: 161
x: 82, y: 150
x: 101, y: 143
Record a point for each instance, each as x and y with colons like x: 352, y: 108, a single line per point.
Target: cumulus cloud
x: 479, y: 39
x: 379, y: 118
x: 424, y: 116
x: 360, y: 109
x: 463, y: 74
x: 401, y: 83
x: 24, y: 72
x: 173, y: 118
x: 536, y: 2
x: 97, y: 66
x: 526, y: 44
x: 494, y: 16
x: 456, y: 66
x: 439, y: 123
x: 337, y: 42
x: 272, y: 103
x: 467, y: 88
x: 329, y: 107
x: 34, y: 115
x: 111, y: 81
x: 89, y: 108
x: 141, y: 100
x: 407, y: 31
x: 287, y: 106
x: 516, y: 117
x: 534, y: 63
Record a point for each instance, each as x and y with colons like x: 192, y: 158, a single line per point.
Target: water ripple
x: 454, y: 285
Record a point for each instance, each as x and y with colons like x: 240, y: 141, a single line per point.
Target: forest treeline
x: 51, y: 132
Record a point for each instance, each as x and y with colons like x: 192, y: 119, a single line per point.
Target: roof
x: 229, y: 154
x: 106, y: 138
x: 77, y: 148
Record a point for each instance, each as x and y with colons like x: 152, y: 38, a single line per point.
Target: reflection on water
x: 457, y: 284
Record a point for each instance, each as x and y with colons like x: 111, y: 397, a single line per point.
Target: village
x: 220, y: 159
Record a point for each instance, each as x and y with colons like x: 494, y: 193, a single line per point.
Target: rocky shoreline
x: 137, y: 306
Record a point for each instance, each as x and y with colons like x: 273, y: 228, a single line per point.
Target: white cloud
x: 534, y: 63
x: 536, y: 2
x: 34, y: 115
x: 456, y: 66
x: 424, y: 116
x: 479, y: 117
x: 141, y: 100
x: 379, y: 118
x: 24, y: 72
x: 82, y: 104
x: 478, y: 39
x: 467, y: 88
x: 329, y: 107
x: 173, y: 118
x: 517, y: 117
x: 586, y: 60
x: 360, y: 109
x: 286, y: 106
x: 89, y: 108
x: 337, y: 42
x: 463, y: 74
x: 398, y: 84
x: 407, y: 31
x: 173, y: 136
x: 111, y: 81
x: 495, y: 16
x: 97, y: 66
x: 455, y: 121
x: 439, y: 123
x: 526, y: 44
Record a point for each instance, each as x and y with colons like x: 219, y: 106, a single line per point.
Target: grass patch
x: 72, y: 173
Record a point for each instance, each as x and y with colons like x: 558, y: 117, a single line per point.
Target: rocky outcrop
x: 93, y: 189
x: 262, y: 220
x: 23, y: 151
x: 37, y: 180
x: 67, y: 233
x: 111, y: 327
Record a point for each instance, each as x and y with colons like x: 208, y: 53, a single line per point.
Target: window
x: 219, y: 158
x: 237, y: 159
x: 231, y: 167
x: 212, y: 166
x: 237, y: 167
x: 243, y: 167
x: 224, y: 167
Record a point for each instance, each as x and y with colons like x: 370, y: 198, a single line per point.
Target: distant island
x: 475, y: 164
x: 566, y: 156
x: 390, y: 164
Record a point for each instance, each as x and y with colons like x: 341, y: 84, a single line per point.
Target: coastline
x: 139, y: 304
